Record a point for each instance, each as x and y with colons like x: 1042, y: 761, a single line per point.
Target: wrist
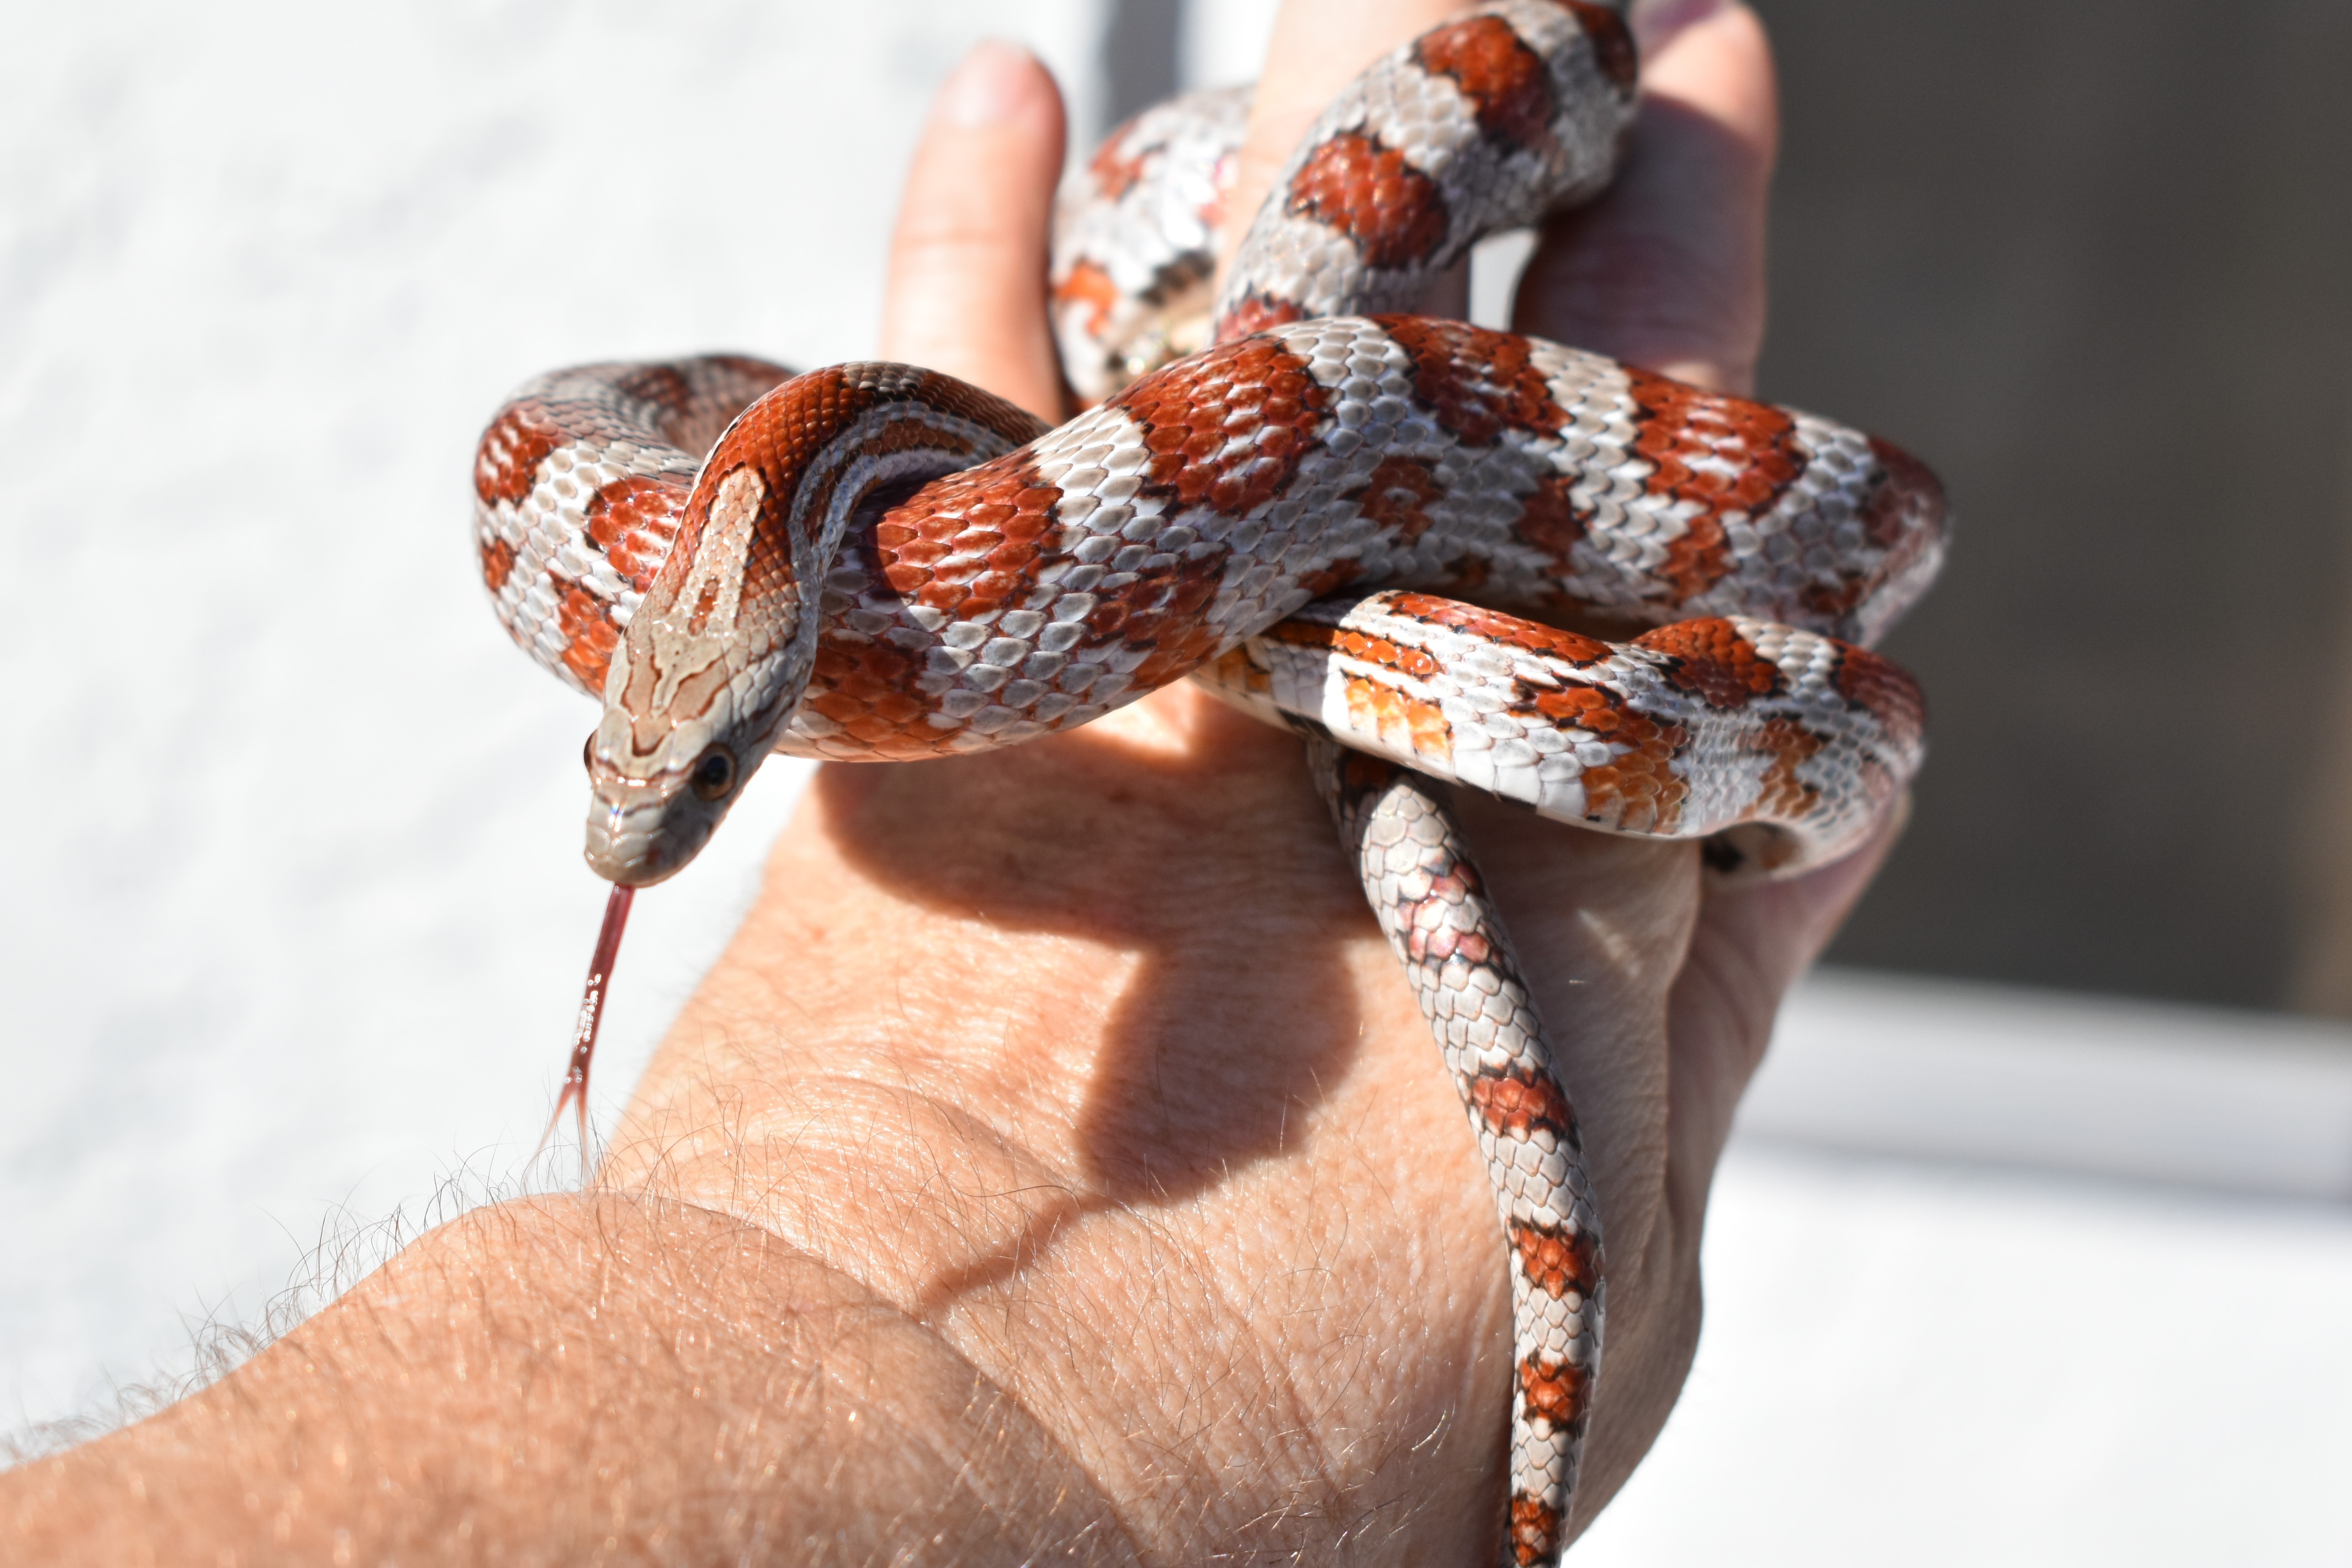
x: 1088, y: 1056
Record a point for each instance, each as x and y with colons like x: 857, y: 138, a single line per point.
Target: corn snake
x: 874, y: 563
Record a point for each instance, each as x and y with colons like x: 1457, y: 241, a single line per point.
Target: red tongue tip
x: 591, y: 1019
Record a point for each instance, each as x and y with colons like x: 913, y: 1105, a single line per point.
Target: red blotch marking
x: 1393, y: 212
x: 1432, y: 935
x: 1163, y: 612
x: 1713, y: 661
x: 1637, y: 790
x: 497, y: 563
x: 1235, y: 668
x: 1781, y: 794
x: 1556, y: 1263
x: 1904, y: 514
x: 779, y: 435
x: 1908, y: 500
x: 1720, y: 455
x: 1519, y: 1105
x: 1256, y: 313
x: 1497, y: 627
x: 586, y: 622
x: 1551, y: 520
x: 1554, y: 1394
x: 1505, y: 81
x: 1367, y: 649
x: 1535, y: 1531
x: 1090, y: 285
x: 1362, y: 774
x: 1887, y: 691
x: 969, y: 543
x: 1407, y: 722
x: 870, y: 690
x: 1114, y: 172
x: 1396, y: 495
x: 658, y: 383
x: 1479, y: 384
x: 1613, y: 49
x: 633, y: 521
x: 507, y: 459
x: 1331, y: 579
x: 1228, y: 427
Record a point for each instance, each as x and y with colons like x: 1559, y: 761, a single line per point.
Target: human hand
x: 1056, y: 1162
x: 1086, y: 1055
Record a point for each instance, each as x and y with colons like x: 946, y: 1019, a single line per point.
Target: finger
x: 1666, y: 269
x: 1317, y: 47
x: 967, y: 288
x: 1750, y: 946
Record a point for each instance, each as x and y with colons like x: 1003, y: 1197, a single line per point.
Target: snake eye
x: 714, y: 773
x: 588, y: 752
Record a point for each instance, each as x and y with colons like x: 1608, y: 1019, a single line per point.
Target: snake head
x: 719, y: 653
x: 708, y: 672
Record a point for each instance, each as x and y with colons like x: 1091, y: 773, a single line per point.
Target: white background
x: 296, y: 920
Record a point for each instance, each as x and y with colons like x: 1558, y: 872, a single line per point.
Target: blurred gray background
x: 2093, y: 260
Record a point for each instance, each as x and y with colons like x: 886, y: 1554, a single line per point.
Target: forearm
x: 553, y: 1380
x: 1123, y: 1207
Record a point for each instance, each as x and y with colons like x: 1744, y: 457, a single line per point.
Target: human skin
x: 1057, y: 1164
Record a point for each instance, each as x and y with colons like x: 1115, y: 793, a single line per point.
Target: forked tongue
x: 591, y: 1019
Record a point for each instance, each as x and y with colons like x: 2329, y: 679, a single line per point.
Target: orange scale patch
x: 1497, y: 627
x: 1519, y: 1105
x: 1332, y: 578
x: 507, y: 458
x: 497, y: 563
x: 870, y: 690
x: 1714, y: 661
x: 1227, y: 426
x: 1398, y: 494
x: 1401, y: 721
x: 1887, y: 691
x: 1505, y: 81
x: 1235, y: 668
x: 1535, y: 1531
x: 1638, y: 789
x: 1581, y: 707
x: 1393, y: 212
x: 1781, y: 794
x: 586, y: 622
x: 978, y: 527
x: 1554, y: 1394
x: 1304, y: 634
x: 1557, y: 1264
x: 1722, y: 455
x: 1256, y: 313
x: 1478, y: 383
x: 1165, y: 612
x: 1114, y: 172
x: 1551, y: 522
x: 1091, y: 286
x: 633, y: 521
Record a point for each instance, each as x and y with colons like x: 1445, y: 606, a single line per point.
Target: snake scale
x: 1333, y: 515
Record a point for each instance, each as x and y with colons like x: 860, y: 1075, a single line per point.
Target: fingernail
x: 987, y: 86
x: 1656, y: 22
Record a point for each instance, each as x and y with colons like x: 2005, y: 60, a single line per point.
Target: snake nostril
x: 714, y: 773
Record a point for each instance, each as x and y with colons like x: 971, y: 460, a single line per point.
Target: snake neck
x: 720, y: 653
